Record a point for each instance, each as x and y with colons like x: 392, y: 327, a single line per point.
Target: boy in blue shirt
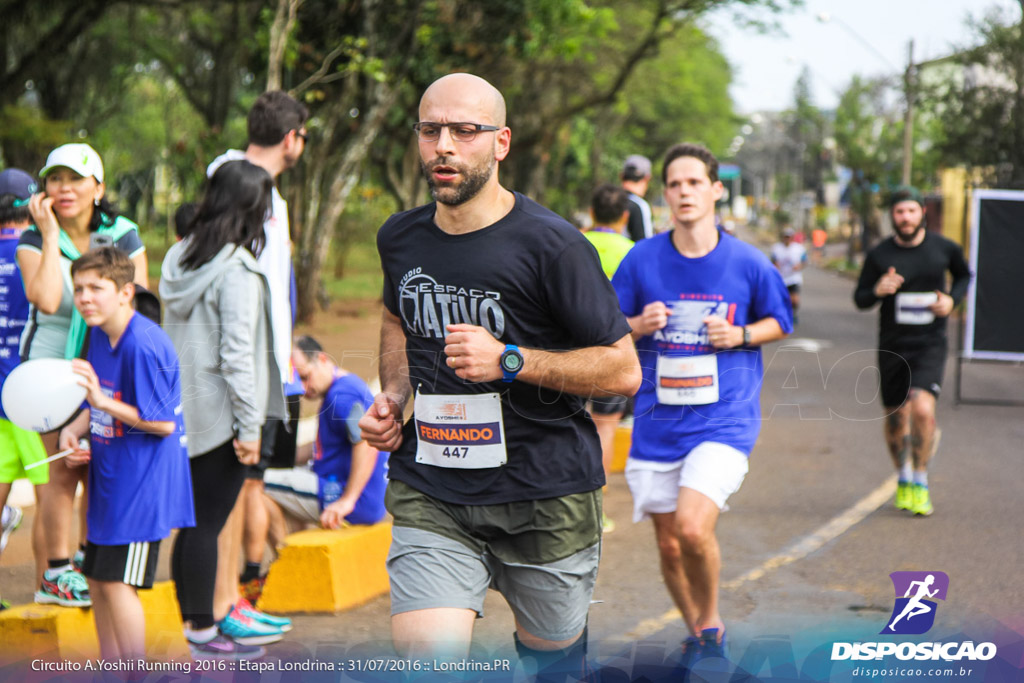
x: 139, y: 484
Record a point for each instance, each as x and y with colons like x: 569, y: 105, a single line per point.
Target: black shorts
x: 608, y: 405
x: 278, y: 444
x: 133, y: 564
x: 793, y: 289
x: 921, y: 367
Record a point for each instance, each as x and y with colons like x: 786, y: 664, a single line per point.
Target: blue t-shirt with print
x: 344, y: 403
x: 13, y: 305
x: 140, y: 485
x: 734, y: 281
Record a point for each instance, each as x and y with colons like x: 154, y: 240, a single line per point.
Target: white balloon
x: 41, y: 395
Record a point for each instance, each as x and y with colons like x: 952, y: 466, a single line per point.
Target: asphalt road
x: 810, y: 540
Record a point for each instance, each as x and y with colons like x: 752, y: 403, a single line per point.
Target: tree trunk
x: 322, y: 216
x: 280, y: 29
x: 406, y: 181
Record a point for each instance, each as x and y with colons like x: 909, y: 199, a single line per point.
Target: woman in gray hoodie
x: 217, y: 313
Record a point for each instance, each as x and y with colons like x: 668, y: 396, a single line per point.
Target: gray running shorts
x: 542, y: 556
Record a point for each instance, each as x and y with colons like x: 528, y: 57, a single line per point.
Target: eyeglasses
x: 304, y: 136
x: 429, y: 131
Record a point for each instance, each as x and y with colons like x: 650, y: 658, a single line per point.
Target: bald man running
x: 499, y: 323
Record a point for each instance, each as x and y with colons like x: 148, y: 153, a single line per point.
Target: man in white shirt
x: 790, y: 257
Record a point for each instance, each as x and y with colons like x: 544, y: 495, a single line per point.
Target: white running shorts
x: 712, y: 468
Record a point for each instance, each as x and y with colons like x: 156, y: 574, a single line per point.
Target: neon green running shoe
x: 904, y: 495
x: 922, y: 504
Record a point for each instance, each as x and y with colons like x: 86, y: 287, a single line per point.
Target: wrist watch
x: 511, y: 362
x: 746, y: 336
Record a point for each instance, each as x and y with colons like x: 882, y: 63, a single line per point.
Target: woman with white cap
x: 71, y: 217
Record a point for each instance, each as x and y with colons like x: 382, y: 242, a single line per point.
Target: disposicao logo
x: 916, y: 593
x: 913, y: 614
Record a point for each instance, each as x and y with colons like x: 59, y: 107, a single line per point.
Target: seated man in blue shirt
x: 345, y: 481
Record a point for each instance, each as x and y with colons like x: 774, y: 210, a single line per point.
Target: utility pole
x: 909, y: 91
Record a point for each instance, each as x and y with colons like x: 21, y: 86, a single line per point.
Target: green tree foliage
x: 168, y: 82
x: 679, y: 95
x: 108, y: 74
x: 44, y: 45
x: 807, y: 128
x: 869, y: 138
x: 982, y: 111
x: 559, y: 63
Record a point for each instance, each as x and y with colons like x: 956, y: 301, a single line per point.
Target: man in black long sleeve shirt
x: 907, y: 273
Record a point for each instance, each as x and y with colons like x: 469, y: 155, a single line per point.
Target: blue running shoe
x: 692, y: 650
x: 710, y: 647
x: 246, y: 608
x: 67, y: 589
x: 247, y: 631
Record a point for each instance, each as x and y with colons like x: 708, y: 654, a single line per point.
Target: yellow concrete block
x: 623, y: 441
x: 165, y: 634
x: 319, y: 570
x: 50, y: 631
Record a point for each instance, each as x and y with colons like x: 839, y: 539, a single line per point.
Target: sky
x: 865, y: 37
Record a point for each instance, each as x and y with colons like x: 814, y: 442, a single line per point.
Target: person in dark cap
x: 636, y: 176
x: 907, y: 274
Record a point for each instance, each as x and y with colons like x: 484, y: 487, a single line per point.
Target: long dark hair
x: 233, y: 210
x: 103, y: 213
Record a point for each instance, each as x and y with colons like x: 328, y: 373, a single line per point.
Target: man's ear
x: 719, y: 189
x: 502, y: 143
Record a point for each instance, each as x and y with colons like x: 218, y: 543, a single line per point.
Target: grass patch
x: 362, y: 277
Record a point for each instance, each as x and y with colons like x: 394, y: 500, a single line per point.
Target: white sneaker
x: 14, y: 517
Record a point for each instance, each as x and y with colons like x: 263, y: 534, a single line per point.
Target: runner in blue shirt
x: 139, y: 483
x: 700, y: 303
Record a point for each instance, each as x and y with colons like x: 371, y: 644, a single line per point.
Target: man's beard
x: 904, y: 237
x: 473, y: 180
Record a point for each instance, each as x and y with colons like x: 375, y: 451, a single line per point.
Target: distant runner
x: 907, y: 274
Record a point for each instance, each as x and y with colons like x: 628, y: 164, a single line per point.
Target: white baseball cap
x: 79, y: 157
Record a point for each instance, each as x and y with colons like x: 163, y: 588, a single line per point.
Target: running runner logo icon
x: 453, y: 410
x: 914, y: 610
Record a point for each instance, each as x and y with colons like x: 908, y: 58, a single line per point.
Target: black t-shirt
x: 923, y: 269
x: 530, y: 279
x: 635, y: 227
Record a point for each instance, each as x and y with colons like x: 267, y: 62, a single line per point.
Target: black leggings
x: 217, y: 478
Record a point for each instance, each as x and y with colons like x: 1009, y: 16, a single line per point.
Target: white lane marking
x: 797, y: 551
x: 805, y: 344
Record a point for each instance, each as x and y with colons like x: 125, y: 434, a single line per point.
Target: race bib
x: 912, y: 308
x: 460, y: 431
x: 687, y: 380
